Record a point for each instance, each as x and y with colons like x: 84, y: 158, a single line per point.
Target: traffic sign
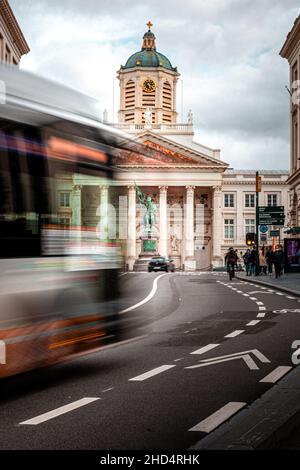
x: 263, y: 238
x: 263, y: 228
x: 271, y: 215
x: 274, y: 233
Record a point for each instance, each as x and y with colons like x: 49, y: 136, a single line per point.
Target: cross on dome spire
x: 149, y: 39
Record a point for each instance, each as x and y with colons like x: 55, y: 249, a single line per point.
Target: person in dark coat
x: 278, y: 261
x: 270, y: 260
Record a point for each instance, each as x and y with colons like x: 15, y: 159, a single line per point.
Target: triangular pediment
x: 163, y: 152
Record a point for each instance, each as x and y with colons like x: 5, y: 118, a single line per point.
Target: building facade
x: 12, y: 41
x: 202, y: 206
x: 291, y: 52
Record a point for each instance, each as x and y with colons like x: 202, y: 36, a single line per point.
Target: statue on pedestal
x: 150, y: 205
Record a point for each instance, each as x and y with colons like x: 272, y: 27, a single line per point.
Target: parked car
x: 160, y: 263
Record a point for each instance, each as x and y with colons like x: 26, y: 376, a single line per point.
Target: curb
x: 268, y: 284
x: 264, y: 424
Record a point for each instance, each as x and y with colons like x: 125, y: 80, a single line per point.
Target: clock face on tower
x: 149, y: 85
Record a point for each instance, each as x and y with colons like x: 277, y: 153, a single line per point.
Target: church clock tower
x: 148, y: 86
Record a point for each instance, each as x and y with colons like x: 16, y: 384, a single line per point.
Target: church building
x: 202, y: 206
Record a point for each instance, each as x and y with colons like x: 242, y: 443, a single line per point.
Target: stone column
x: 217, y: 226
x: 131, y: 239
x: 76, y: 212
x: 189, y: 262
x: 103, y: 212
x: 163, y: 221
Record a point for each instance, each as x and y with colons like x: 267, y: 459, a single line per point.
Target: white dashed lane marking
x: 152, y: 373
x: 276, y: 374
x: 253, y: 322
x: 217, y: 418
x: 203, y: 350
x: 234, y: 334
x: 60, y: 411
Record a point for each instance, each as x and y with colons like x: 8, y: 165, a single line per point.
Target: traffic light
x: 250, y: 239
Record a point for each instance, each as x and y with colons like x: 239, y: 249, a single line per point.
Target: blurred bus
x: 58, y: 281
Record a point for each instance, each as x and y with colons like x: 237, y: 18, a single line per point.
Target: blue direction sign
x: 263, y: 228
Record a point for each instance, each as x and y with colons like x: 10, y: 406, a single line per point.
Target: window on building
x: 1, y: 46
x: 249, y: 200
x: 229, y: 229
x: 64, y: 199
x: 249, y: 225
x: 228, y: 200
x: 130, y: 95
x: 7, y: 54
x: 272, y: 199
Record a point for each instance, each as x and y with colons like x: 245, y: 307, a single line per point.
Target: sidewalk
x: 289, y: 282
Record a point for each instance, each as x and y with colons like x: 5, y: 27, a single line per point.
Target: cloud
x: 227, y: 52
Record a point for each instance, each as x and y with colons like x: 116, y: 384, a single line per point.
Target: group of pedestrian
x: 267, y: 259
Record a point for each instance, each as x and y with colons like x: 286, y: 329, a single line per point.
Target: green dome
x: 148, y: 58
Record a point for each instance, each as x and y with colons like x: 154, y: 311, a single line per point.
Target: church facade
x: 202, y: 206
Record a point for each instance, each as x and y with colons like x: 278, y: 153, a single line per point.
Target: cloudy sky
x: 226, y: 51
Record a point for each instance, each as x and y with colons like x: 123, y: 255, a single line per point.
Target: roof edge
x: 14, y: 27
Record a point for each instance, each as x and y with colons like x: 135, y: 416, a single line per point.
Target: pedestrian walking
x: 270, y: 260
x: 262, y: 261
x: 248, y: 262
x: 231, y: 259
x: 278, y: 261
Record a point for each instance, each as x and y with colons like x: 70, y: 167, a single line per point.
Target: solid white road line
x: 253, y: 322
x: 234, y: 334
x: 205, y: 349
x: 217, y: 418
x: 151, y: 373
x: 276, y: 374
x: 146, y: 299
x: 60, y: 411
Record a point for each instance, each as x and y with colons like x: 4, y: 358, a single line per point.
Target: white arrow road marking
x: 60, y: 411
x: 234, y: 334
x: 151, y: 373
x: 276, y: 374
x: 245, y: 355
x: 205, y: 349
x: 2, y: 352
x: 217, y: 418
x: 149, y: 296
x: 246, y: 358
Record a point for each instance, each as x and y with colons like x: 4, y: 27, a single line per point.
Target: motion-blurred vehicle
x: 58, y: 281
x: 160, y: 263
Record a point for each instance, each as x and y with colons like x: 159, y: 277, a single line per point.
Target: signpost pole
x: 258, y: 189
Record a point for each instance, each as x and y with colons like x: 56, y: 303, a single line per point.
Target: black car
x: 160, y: 263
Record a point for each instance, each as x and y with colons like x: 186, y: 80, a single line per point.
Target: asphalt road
x: 145, y: 393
